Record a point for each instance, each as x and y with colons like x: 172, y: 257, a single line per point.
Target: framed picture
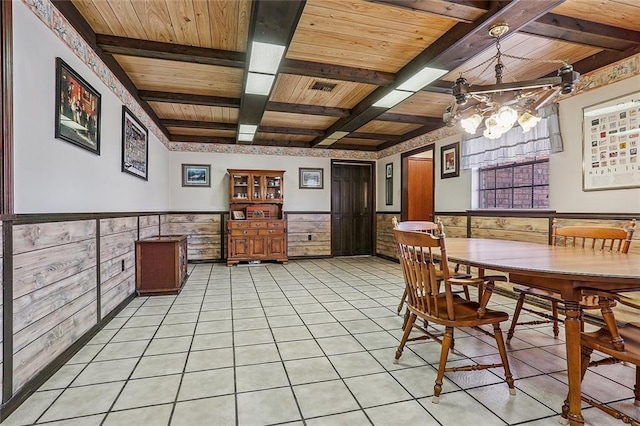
x: 389, y: 170
x: 238, y: 215
x: 196, y: 175
x: 311, y: 178
x: 450, y: 161
x: 77, y: 109
x: 610, y: 142
x: 135, y: 145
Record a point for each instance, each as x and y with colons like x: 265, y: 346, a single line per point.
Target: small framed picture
x: 311, y: 178
x: 196, y: 175
x: 135, y: 145
x: 238, y: 215
x: 77, y: 109
x: 450, y: 161
x: 389, y: 170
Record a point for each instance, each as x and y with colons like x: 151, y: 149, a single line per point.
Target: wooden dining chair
x: 601, y: 238
x: 619, y: 343
x: 433, y: 300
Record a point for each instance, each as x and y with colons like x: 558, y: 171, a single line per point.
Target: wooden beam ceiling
x: 463, y: 11
x: 463, y: 41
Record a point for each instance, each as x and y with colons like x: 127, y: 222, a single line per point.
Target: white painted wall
x: 52, y: 175
x: 565, y: 173
x: 216, y: 198
x: 381, y: 184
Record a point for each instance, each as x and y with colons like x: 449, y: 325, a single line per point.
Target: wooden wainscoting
x: 531, y: 229
x: 454, y: 226
x: 301, y: 226
x: 55, y: 298
x: 117, y: 261
x: 204, y: 231
x: 385, y: 241
x: 149, y: 226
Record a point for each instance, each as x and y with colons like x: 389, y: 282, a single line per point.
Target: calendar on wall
x: 611, y: 137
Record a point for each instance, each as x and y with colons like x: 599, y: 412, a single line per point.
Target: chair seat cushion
x: 600, y: 340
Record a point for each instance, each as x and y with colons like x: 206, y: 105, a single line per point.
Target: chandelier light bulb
x: 470, y: 124
x: 528, y: 121
x: 506, y: 116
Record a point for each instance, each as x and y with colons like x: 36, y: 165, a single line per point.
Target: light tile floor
x: 311, y: 342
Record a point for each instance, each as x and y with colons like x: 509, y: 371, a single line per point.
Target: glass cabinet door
x: 256, y: 188
x: 240, y: 189
x: 273, y: 187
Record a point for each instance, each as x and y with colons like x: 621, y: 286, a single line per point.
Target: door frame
x: 404, y: 177
x: 372, y: 218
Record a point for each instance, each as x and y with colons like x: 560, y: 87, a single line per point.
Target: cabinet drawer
x: 258, y: 224
x: 238, y: 224
x: 276, y: 224
x: 272, y: 232
x: 243, y: 232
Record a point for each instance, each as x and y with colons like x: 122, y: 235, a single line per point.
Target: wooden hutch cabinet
x: 256, y: 229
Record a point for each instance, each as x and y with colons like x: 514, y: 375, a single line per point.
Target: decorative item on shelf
x: 501, y: 105
x: 238, y: 215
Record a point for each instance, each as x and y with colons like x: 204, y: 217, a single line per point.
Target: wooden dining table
x: 565, y: 270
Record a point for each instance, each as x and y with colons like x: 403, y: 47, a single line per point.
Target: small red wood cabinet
x: 161, y: 264
x: 256, y: 229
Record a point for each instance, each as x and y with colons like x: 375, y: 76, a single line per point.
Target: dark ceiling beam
x: 439, y: 86
x: 212, y: 125
x: 409, y: 119
x: 78, y: 22
x: 200, y: 55
x: 463, y: 11
x: 307, y: 109
x: 169, y: 51
x: 290, y: 131
x: 199, y: 124
x: 579, y: 31
x: 373, y: 136
x: 288, y: 144
x: 272, y: 21
x: 217, y: 101
x: 187, y: 98
x: 336, y: 72
x: 352, y: 147
x: 201, y: 139
x: 459, y: 44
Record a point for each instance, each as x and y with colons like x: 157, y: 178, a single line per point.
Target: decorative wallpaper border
x: 51, y: 17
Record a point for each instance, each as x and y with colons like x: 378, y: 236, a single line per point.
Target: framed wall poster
x: 196, y: 175
x: 135, y: 145
x: 610, y: 141
x: 311, y: 178
x: 450, y: 161
x: 77, y: 109
x: 389, y: 170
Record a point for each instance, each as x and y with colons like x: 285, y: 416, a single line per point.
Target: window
x: 522, y: 185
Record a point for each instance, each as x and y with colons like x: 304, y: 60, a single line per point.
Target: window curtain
x: 514, y: 146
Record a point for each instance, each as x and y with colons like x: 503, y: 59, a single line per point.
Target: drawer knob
x: 244, y: 232
x: 271, y: 231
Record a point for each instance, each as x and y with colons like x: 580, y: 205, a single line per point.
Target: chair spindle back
x: 601, y: 238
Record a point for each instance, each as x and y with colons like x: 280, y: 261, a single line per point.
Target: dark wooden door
x: 351, y: 209
x: 420, y: 189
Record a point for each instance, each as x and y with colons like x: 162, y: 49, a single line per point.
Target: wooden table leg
x: 572, y: 335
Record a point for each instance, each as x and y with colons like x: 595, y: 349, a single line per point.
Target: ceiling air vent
x: 325, y: 86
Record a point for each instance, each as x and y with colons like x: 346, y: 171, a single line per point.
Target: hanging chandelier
x: 501, y: 105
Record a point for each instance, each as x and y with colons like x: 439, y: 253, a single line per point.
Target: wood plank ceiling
x: 186, y: 60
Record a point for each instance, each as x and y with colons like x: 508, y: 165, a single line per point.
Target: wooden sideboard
x: 256, y: 229
x: 161, y: 264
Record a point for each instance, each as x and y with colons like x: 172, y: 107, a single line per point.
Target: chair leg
x: 402, y: 299
x: 554, y: 312
x: 465, y: 289
x: 444, y: 354
x: 636, y: 388
x: 497, y: 333
x: 405, y: 336
x: 516, y: 315
x: 406, y: 319
x: 584, y: 365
